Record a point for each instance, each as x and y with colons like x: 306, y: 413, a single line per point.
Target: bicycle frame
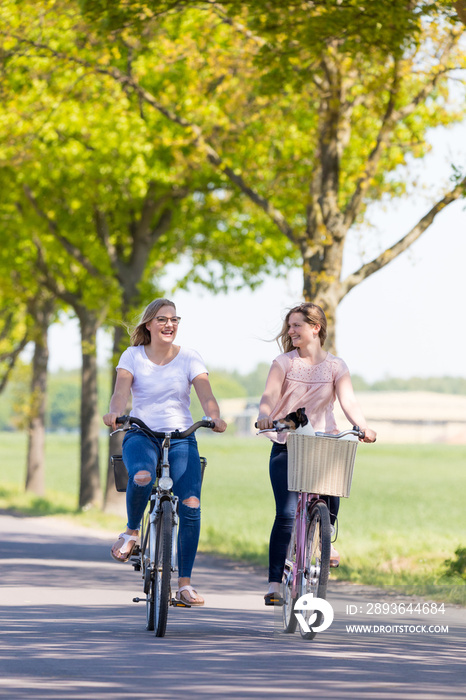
x: 156, y: 499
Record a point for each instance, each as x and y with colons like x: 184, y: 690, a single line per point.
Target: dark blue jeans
x: 141, y: 453
x: 285, y: 510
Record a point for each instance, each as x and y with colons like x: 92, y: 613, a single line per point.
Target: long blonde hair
x: 313, y: 314
x: 140, y: 335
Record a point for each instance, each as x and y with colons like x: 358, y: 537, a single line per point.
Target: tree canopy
x: 243, y: 137
x: 307, y: 113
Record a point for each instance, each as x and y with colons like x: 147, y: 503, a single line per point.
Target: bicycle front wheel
x: 289, y: 587
x: 147, y: 536
x: 317, y: 562
x: 158, y: 597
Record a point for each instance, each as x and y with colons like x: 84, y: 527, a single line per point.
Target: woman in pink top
x: 308, y: 376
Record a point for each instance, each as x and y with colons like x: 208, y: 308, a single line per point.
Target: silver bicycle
x: 156, y: 556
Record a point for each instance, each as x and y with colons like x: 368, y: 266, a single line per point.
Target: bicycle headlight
x: 165, y: 483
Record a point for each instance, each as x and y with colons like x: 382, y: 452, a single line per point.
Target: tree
x: 334, y: 103
x: 100, y: 192
x: 42, y: 310
x: 85, y: 290
x: 27, y: 310
x: 281, y: 140
x: 32, y: 311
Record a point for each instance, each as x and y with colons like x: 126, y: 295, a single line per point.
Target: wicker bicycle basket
x: 320, y: 465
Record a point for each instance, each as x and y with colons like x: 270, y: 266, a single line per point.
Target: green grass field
x: 404, y: 518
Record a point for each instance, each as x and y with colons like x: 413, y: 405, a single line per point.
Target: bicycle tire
x: 289, y: 618
x: 147, y: 537
x: 162, y: 571
x: 317, y: 561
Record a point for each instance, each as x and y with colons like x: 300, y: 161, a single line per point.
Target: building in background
x: 398, y: 417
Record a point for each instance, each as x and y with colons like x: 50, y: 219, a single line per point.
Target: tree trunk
x: 326, y: 299
x: 460, y: 7
x: 321, y: 281
x: 35, y: 467
x: 89, y: 490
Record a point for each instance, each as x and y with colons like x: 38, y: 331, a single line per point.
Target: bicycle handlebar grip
x: 256, y: 425
x: 121, y: 419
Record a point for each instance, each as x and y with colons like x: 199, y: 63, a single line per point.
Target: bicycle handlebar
x: 174, y: 434
x: 356, y: 430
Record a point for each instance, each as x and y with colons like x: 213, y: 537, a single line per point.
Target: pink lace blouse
x: 311, y: 386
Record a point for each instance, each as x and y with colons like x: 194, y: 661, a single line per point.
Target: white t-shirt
x: 161, y: 393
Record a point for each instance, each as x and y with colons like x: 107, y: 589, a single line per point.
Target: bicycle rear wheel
x: 317, y: 562
x: 159, y: 595
x: 289, y: 619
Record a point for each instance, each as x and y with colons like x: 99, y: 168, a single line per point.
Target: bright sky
x: 405, y: 320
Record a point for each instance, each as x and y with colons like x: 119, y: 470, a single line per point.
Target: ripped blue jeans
x: 142, y: 453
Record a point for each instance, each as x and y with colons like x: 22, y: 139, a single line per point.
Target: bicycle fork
x: 296, y: 570
x: 153, y: 516
x: 165, y: 485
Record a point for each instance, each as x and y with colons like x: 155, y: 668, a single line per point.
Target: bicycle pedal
x: 179, y: 603
x: 135, y: 562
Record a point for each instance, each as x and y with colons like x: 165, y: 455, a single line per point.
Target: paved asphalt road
x: 68, y: 630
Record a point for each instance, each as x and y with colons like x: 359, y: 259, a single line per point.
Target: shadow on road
x: 69, y: 631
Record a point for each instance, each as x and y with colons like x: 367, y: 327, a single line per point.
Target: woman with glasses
x: 159, y: 375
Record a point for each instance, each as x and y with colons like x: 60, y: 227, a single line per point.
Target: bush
x: 456, y: 567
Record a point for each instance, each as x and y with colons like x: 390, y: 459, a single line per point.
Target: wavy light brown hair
x: 140, y: 335
x: 313, y: 314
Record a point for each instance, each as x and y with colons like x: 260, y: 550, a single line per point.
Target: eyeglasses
x: 163, y: 320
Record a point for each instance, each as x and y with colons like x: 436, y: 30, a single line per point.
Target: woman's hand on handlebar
x: 110, y: 420
x: 264, y: 422
x: 369, y: 436
x: 220, y: 425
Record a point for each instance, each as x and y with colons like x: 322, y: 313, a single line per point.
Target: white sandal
x: 184, y: 599
x: 125, y: 548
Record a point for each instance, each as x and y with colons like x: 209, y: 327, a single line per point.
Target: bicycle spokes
x: 314, y: 556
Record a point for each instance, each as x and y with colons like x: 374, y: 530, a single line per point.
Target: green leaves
x: 239, y: 135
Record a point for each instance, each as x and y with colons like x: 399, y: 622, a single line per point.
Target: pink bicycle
x: 325, y: 461
x: 317, y: 464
